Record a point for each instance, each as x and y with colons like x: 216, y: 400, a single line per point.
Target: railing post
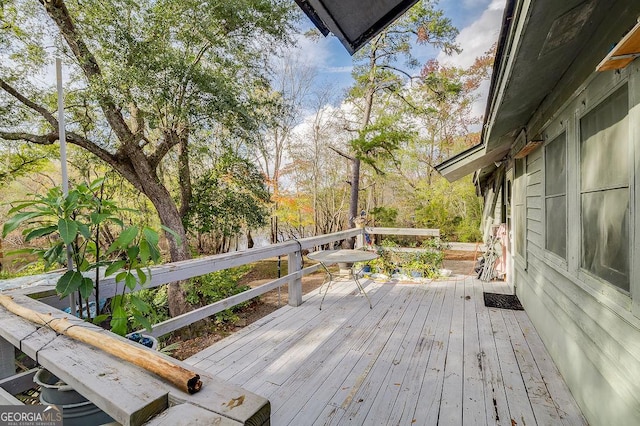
x: 295, y: 284
x: 359, y: 222
x: 7, y: 359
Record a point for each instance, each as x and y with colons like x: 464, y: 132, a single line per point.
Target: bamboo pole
x: 182, y: 378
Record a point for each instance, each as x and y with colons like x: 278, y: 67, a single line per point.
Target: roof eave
x: 469, y: 161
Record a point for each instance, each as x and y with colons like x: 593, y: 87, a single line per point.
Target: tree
x: 445, y: 96
x: 227, y: 198
x: 314, y: 170
x: 378, y: 70
x: 292, y: 83
x: 148, y: 77
x: 20, y: 160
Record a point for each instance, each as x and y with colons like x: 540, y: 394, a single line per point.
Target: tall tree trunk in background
x: 355, y: 165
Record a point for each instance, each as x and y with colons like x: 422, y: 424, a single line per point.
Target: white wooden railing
x: 293, y: 249
x: 77, y: 364
x: 43, y: 288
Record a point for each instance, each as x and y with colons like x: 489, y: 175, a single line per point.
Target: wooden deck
x: 425, y: 355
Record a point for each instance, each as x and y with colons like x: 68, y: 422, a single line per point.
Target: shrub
x: 216, y: 286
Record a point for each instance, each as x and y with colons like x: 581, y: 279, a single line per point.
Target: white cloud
x: 320, y: 53
x: 338, y: 70
x: 478, y: 37
x: 313, y: 52
x: 469, y: 4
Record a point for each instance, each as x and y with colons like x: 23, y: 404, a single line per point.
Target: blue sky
x: 477, y: 20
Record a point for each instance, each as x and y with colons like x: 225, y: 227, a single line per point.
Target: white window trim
x: 634, y: 202
x: 550, y: 256
x: 567, y: 119
x: 621, y: 296
x: 519, y: 258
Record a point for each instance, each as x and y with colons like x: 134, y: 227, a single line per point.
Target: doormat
x: 502, y: 301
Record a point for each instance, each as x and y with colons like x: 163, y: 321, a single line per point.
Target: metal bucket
x: 76, y: 409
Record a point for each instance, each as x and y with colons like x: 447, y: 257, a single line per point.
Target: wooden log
x: 182, y: 378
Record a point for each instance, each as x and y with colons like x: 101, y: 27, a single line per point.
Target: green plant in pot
x: 74, y: 226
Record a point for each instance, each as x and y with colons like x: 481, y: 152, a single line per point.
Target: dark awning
x: 354, y: 22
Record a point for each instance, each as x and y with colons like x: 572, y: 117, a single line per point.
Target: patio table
x: 328, y: 257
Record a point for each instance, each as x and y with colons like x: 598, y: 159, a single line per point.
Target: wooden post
x: 359, y: 222
x: 295, y: 284
x: 7, y: 359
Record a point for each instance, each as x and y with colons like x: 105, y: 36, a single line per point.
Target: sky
x: 478, y: 22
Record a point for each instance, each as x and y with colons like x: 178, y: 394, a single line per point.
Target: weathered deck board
x: 425, y: 354
x: 473, y: 396
x: 518, y: 401
x: 560, y: 394
x: 427, y: 407
x: 541, y: 402
x: 380, y: 371
x: 349, y: 366
x: 452, y: 389
x: 255, y: 352
x: 187, y: 415
x: 303, y: 380
x: 406, y: 402
x: 389, y: 393
x: 496, y: 408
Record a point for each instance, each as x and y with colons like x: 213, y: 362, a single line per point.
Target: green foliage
x: 384, y: 216
x: 73, y: 224
x: 229, y: 197
x: 146, y: 306
x: 33, y: 268
x: 426, y: 262
x: 378, y: 141
x: 149, y: 76
x: 210, y: 288
x: 22, y: 160
x: 453, y: 208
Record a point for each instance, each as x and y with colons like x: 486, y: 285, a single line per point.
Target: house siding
x: 588, y: 326
x: 534, y: 205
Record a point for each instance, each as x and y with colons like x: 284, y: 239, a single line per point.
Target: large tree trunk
x: 169, y: 217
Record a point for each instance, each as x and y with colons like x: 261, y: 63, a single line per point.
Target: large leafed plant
x: 71, y: 233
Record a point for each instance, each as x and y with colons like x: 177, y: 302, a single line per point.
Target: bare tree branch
x: 57, y: 10
x: 120, y: 163
x: 169, y: 141
x: 47, y: 139
x: 409, y: 76
x: 415, y: 108
x: 30, y: 104
x: 342, y: 154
